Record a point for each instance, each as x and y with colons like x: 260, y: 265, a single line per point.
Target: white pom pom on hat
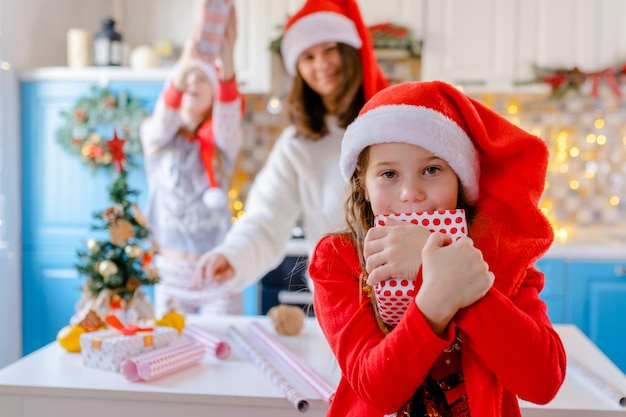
x: 215, y: 198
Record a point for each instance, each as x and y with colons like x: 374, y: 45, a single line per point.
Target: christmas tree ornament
x: 111, y: 214
x: 69, y: 338
x: 93, y: 245
x: 118, y: 156
x: 133, y: 251
x: 120, y: 232
x: 107, y: 268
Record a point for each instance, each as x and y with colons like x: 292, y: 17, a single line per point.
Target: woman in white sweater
x: 328, y: 51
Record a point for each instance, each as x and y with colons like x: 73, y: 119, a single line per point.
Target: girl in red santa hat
x: 190, y: 144
x: 327, y: 49
x: 475, y: 337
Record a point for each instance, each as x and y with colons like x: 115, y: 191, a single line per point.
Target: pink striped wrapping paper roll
x: 161, y: 362
x: 260, y: 361
x: 295, y: 363
x: 214, y: 345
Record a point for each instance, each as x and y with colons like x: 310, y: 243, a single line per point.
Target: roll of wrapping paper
x: 270, y: 370
x: 215, y: 346
x: 161, y: 362
x: 293, y: 362
x: 602, y: 384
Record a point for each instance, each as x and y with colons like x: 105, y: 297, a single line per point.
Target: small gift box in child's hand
x: 211, y: 36
x: 394, y: 295
x: 106, y: 349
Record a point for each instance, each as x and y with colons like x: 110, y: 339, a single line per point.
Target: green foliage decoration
x: 94, y: 119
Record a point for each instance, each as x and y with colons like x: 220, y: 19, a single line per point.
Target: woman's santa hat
x: 331, y: 21
x: 502, y: 168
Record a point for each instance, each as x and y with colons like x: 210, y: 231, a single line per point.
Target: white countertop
x: 592, y: 243
x: 51, y: 382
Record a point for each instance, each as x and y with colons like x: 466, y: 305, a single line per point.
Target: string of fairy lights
x: 586, y: 136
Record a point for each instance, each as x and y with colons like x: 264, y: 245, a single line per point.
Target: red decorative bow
x: 126, y: 330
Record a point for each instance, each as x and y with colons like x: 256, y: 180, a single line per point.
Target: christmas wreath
x: 98, y: 117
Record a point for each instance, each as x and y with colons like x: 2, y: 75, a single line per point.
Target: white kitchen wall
x: 35, y: 39
x: 28, y: 39
x: 146, y: 21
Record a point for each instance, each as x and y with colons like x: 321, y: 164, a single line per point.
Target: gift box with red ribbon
x: 106, y: 349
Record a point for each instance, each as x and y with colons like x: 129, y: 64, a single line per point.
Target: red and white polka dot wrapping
x: 394, y: 295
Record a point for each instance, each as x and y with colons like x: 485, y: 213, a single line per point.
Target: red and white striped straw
x: 160, y: 362
x: 257, y: 358
x: 294, y: 362
x: 217, y: 347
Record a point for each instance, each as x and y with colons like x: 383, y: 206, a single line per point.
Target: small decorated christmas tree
x: 119, y: 263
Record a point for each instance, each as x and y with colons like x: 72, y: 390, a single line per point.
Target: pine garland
x: 97, y: 117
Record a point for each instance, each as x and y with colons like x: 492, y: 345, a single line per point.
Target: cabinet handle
x: 620, y: 271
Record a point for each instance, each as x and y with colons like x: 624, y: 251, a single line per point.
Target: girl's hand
x: 394, y: 250
x: 454, y: 276
x: 212, y: 267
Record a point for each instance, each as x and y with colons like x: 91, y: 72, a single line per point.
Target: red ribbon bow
x: 126, y: 330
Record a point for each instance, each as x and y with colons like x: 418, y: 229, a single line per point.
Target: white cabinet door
x: 469, y: 42
x: 588, y: 34
x: 257, y: 25
x: 407, y: 13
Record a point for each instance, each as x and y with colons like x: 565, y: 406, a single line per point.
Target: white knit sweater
x: 300, y: 179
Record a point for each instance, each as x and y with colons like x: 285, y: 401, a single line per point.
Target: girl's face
x: 320, y: 68
x: 403, y: 178
x: 198, y: 96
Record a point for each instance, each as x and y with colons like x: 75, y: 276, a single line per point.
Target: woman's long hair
x: 306, y: 109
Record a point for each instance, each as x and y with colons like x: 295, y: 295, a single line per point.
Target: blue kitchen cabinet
x: 590, y: 294
x: 59, y: 196
x: 597, y: 304
x: 554, y: 289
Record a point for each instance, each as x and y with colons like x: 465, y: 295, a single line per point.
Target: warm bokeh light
x: 599, y: 123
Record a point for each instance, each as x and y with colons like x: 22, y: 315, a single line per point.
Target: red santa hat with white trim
x: 501, y: 168
x: 331, y: 21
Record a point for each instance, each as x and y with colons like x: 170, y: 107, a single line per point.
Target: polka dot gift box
x: 107, y: 349
x: 394, y: 295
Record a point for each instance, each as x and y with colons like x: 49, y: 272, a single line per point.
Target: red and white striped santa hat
x: 331, y: 21
x: 501, y: 167
x: 431, y: 115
